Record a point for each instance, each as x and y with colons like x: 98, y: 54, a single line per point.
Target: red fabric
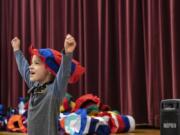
x: 121, y: 124
x: 79, y: 70
x: 26, y: 106
x: 85, y: 101
x: 104, y: 107
x: 66, y: 104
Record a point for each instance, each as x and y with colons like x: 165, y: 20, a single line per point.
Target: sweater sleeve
x: 62, y: 77
x: 23, y: 67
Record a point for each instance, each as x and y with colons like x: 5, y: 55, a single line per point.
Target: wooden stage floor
x: 136, y: 132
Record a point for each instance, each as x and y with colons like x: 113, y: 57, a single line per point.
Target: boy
x: 46, y: 90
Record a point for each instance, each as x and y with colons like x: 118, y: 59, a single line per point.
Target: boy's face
x: 38, y: 71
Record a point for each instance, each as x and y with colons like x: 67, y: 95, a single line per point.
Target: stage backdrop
x: 130, y: 49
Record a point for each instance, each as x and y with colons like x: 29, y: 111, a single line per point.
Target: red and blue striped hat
x: 52, y: 60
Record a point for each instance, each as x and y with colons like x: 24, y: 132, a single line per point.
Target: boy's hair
x: 52, y: 60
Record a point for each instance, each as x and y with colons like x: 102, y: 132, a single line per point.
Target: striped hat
x: 52, y: 60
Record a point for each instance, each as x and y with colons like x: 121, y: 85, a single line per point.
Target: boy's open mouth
x: 32, y: 73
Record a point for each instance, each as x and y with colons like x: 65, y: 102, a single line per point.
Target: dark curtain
x: 130, y: 49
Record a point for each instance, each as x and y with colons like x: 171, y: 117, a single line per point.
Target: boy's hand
x: 69, y: 44
x: 15, y: 44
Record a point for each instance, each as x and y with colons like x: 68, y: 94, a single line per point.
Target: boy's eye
x: 35, y: 62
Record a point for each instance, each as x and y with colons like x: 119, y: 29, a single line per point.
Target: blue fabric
x: 103, y: 130
x: 50, y: 60
x: 1, y: 109
x: 83, y: 114
x: 93, y: 124
x: 73, y: 67
x: 126, y: 121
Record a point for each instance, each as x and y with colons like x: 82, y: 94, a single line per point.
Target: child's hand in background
x: 15, y: 43
x: 69, y: 44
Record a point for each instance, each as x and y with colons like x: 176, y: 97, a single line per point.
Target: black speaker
x: 170, y: 117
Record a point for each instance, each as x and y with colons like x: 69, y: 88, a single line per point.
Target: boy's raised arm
x: 64, y: 72
x: 23, y: 65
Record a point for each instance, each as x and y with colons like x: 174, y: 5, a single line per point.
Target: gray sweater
x: 44, y: 106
